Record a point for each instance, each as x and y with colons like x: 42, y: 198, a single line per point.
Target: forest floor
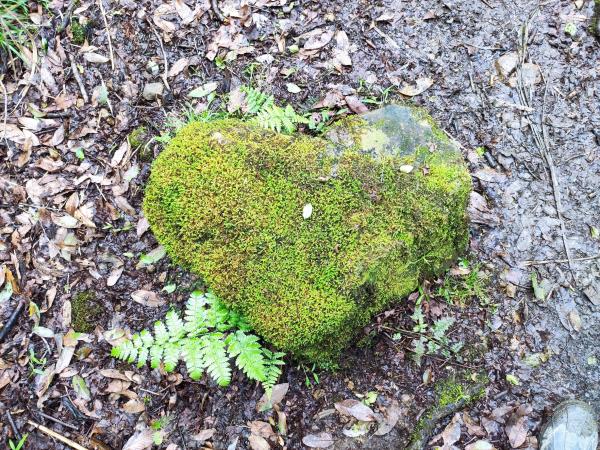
x: 517, y: 84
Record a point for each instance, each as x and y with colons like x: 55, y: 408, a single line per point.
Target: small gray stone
x: 573, y: 426
x: 152, y: 91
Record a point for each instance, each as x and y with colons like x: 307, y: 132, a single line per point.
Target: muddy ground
x: 519, y: 81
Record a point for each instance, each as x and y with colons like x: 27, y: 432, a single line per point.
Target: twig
x: 110, y: 48
x: 215, y: 8
x: 54, y: 419
x: 558, y: 261
x: 12, y: 320
x: 56, y: 435
x: 541, y: 139
x: 5, y: 119
x: 12, y: 425
x: 162, y: 48
x: 79, y: 80
x: 66, y: 17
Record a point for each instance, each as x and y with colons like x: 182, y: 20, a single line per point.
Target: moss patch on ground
x: 85, y: 312
x: 226, y: 199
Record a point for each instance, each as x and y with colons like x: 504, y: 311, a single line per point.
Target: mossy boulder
x: 388, y: 193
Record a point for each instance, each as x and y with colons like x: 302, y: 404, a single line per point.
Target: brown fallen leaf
x: 516, y: 429
x: 258, y: 442
x: 147, y: 298
x: 320, y: 440
x: 390, y: 419
x: 420, y: 86
x: 178, y: 67
x: 141, y: 440
x: 356, y: 409
x: 265, y: 403
x: 318, y: 39
x: 355, y: 104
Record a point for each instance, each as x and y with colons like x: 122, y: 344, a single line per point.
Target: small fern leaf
x: 192, y: 356
x: 122, y: 350
x: 161, y: 335
x: 147, y: 339
x: 215, y: 357
x: 143, y: 356
x: 195, y: 317
x: 175, y: 326
x: 156, y: 354
x: 250, y: 360
x: 171, y: 355
x: 274, y: 361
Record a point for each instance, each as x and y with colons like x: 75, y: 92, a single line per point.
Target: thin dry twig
x: 54, y: 419
x: 56, y: 435
x: 215, y: 9
x: 12, y: 320
x: 558, y: 261
x: 540, y: 137
x: 78, y: 80
x: 110, y: 47
x: 5, y: 117
x: 162, y: 48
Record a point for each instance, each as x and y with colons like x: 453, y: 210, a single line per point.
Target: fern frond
x: 248, y: 351
x: 156, y: 354
x: 215, y: 357
x: 274, y: 361
x: 192, y: 356
x: 256, y: 100
x: 171, y: 354
x: 195, y: 314
x: 161, y: 335
x: 175, y: 326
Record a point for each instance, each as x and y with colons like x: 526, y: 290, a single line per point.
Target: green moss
x: 78, y: 31
x: 226, y: 200
x: 85, y: 312
x: 138, y: 137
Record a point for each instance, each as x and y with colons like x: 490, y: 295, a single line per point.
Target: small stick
x: 162, y: 48
x: 558, y: 261
x: 12, y: 425
x: 67, y: 16
x: 54, y: 419
x: 110, y: 48
x: 55, y: 435
x: 12, y: 320
x: 5, y: 119
x: 78, y: 79
x: 215, y: 8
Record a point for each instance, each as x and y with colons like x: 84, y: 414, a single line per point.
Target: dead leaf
x: 318, y: 39
x: 321, y: 440
x: 65, y: 221
x: 355, y: 104
x: 178, y: 67
x: 421, y: 85
x: 147, y: 298
x: 204, y: 435
x: 114, y: 276
x: 356, y: 409
x: 142, y: 440
x: 516, y: 429
x: 357, y: 429
x: 95, y: 58
x: 390, y: 419
x: 480, y: 445
x: 134, y: 406
x: 265, y: 403
x: 184, y: 11
x: 258, y: 442
x: 261, y: 428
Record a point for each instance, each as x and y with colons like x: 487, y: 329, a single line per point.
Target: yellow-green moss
x: 78, y: 32
x: 226, y: 200
x: 84, y: 312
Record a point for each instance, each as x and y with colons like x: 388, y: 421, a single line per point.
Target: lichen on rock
x: 388, y: 192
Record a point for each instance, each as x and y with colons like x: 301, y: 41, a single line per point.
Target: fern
x: 268, y: 114
x: 273, y: 363
x: 207, y: 338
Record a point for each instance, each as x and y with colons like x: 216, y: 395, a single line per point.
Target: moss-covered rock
x: 388, y: 193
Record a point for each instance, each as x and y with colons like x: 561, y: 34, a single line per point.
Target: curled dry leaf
x: 356, y: 409
x: 258, y: 442
x: 178, y: 67
x: 147, y: 298
x: 320, y: 440
x: 134, y: 406
x: 355, y: 104
x: 95, y: 58
x: 318, y: 39
x: 65, y: 221
x: 421, y: 85
x: 141, y: 440
x: 265, y: 403
x: 389, y: 421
